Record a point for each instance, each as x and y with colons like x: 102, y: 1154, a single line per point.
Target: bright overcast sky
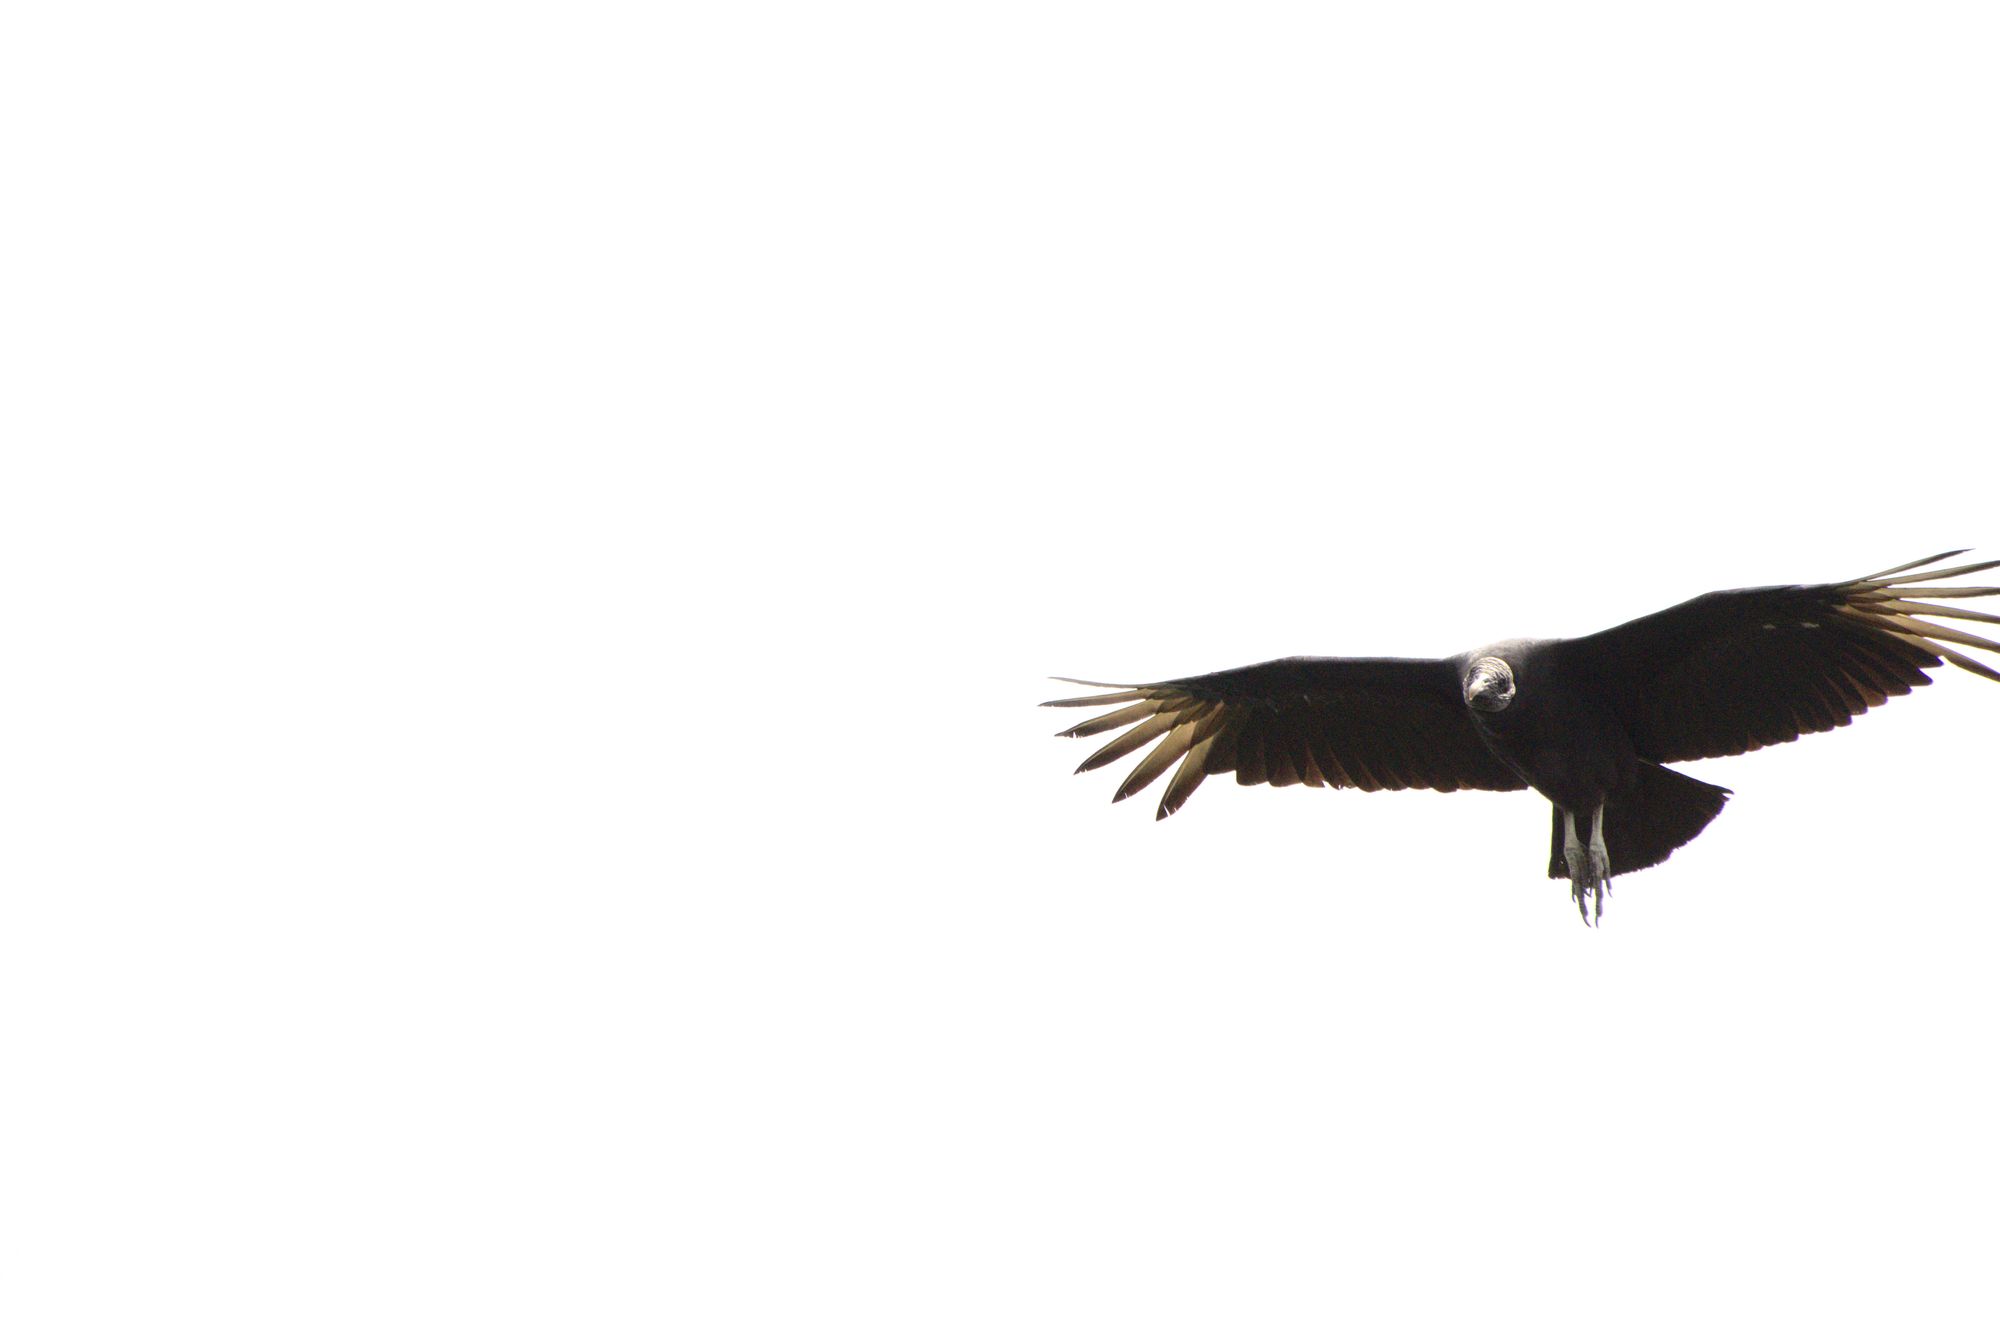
x: 535, y: 536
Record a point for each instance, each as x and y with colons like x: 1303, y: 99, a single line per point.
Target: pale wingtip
x: 1921, y: 561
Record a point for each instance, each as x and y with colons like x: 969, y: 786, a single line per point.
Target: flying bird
x: 1589, y: 722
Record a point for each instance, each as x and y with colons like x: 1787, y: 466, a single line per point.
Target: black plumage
x: 1587, y: 722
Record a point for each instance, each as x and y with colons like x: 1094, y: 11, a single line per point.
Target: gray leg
x: 1589, y: 866
x: 1600, y: 855
x: 1573, y: 854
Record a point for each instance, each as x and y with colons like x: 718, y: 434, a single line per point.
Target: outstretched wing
x: 1370, y: 723
x: 1732, y: 671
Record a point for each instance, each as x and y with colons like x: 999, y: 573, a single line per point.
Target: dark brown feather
x: 1366, y: 723
x: 1733, y: 671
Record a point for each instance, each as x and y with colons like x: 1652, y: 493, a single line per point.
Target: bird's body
x: 1557, y: 733
x: 1587, y: 722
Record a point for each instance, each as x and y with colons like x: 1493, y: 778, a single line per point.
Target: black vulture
x: 1586, y: 722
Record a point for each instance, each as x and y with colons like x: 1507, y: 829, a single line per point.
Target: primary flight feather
x: 1587, y: 722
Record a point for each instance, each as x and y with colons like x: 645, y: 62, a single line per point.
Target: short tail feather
x: 1644, y: 824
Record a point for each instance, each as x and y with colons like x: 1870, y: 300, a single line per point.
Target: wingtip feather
x: 1946, y: 573
x: 1921, y: 561
x: 1972, y: 665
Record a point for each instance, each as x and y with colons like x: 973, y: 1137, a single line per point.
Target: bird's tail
x: 1646, y: 822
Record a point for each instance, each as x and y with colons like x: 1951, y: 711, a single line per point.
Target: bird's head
x: 1489, y: 685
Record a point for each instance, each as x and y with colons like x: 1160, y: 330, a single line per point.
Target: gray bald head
x: 1489, y: 685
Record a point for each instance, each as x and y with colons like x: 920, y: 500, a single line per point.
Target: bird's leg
x: 1572, y: 850
x: 1600, y: 858
x: 1589, y: 865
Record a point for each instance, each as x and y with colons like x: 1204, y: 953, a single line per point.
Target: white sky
x: 535, y: 535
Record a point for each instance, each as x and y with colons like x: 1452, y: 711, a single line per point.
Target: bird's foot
x: 1588, y: 862
x: 1589, y: 880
